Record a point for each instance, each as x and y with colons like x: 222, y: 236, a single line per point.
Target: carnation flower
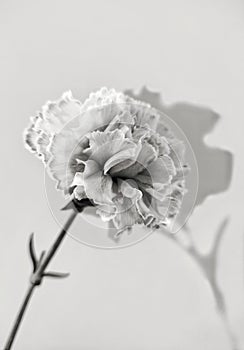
x: 114, y: 151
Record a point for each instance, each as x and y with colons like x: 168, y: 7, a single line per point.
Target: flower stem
x: 39, y: 267
x: 19, y: 316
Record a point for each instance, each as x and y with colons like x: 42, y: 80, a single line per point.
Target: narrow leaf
x: 32, y: 251
x: 56, y: 274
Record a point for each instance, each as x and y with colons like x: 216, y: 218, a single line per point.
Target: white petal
x: 78, y: 179
x: 50, y: 121
x: 145, y: 156
x: 79, y: 192
x: 161, y: 170
x: 98, y: 187
x: 126, y: 209
x: 110, y: 148
x: 64, y: 149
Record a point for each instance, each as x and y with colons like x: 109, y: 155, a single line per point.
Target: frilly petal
x: 146, y: 155
x: 64, y: 150
x: 111, y: 148
x: 98, y: 187
x: 158, y: 173
x: 115, y: 151
x: 51, y: 120
x: 126, y: 210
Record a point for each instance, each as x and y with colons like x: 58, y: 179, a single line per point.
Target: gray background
x: 151, y: 295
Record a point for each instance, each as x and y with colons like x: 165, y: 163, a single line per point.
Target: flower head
x: 114, y: 151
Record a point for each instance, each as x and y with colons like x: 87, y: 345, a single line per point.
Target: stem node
x: 39, y: 267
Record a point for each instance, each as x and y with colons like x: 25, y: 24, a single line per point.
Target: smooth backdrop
x: 151, y: 295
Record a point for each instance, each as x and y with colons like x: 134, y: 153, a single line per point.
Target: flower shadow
x: 214, y: 164
x: 215, y: 167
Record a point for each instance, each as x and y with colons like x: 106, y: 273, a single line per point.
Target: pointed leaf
x: 32, y: 251
x: 56, y: 274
